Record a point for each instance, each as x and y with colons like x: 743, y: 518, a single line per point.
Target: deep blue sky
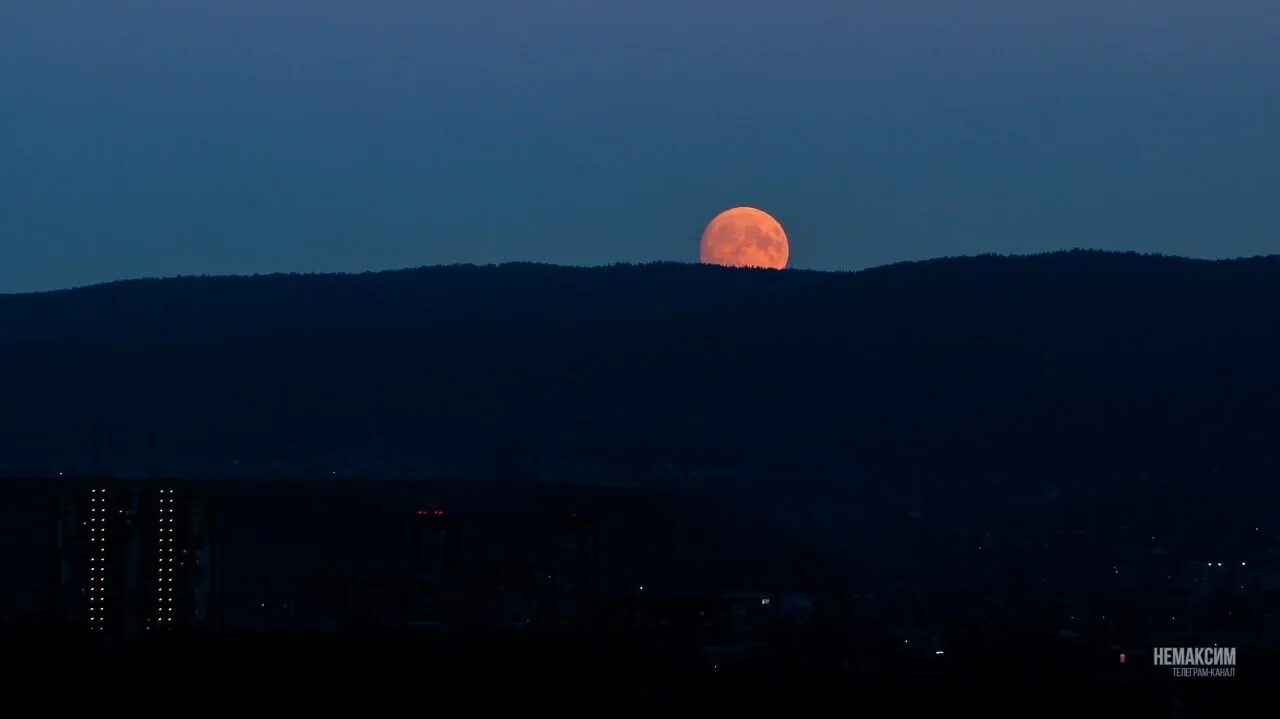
x: 161, y: 137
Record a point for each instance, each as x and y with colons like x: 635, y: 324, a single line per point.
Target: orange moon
x: 745, y: 237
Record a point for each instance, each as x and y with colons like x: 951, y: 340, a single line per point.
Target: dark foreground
x: 584, y: 598
x: 999, y: 669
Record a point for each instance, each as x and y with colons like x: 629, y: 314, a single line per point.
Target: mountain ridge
x: 945, y: 361
x: 656, y: 263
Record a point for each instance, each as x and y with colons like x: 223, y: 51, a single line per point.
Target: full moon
x: 745, y: 237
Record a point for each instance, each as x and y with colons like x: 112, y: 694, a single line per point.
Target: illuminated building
x: 92, y: 532
x: 134, y: 558
x: 175, y: 554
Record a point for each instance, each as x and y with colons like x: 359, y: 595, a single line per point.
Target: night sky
x: 162, y: 137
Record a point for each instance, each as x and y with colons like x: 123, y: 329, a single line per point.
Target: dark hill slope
x: 1076, y: 359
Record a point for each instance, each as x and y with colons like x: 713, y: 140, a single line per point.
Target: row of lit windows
x: 165, y: 548
x: 97, y: 595
x: 168, y: 540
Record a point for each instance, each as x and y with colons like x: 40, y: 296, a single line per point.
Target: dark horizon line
x: 651, y: 263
